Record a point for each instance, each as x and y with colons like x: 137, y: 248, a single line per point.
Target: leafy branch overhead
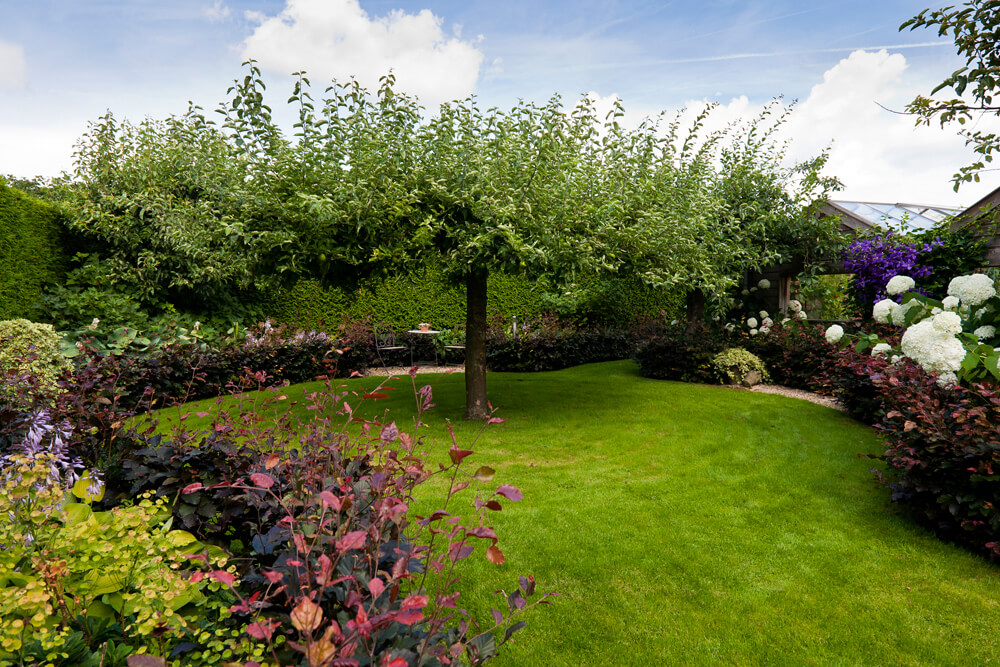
x: 973, y: 25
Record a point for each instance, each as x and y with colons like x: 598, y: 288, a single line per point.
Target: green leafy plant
x: 74, y: 582
x: 33, y: 348
x: 737, y: 366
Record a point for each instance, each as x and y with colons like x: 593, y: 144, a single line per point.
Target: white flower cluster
x: 882, y: 312
x: 795, y: 306
x: 752, y: 322
x: 935, y: 349
x: 764, y: 283
x: 972, y: 290
x: 899, y: 284
x: 881, y: 349
x: 834, y: 334
x: 985, y: 332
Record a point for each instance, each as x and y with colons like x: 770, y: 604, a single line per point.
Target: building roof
x: 898, y: 216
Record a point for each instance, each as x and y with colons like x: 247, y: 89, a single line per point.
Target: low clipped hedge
x: 552, y: 350
x: 685, y: 353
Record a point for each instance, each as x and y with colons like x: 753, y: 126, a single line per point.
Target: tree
x: 975, y: 27
x: 371, y: 182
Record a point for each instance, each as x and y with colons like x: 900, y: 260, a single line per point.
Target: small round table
x: 427, y: 332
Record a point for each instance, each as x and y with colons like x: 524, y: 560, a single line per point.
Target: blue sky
x: 64, y: 62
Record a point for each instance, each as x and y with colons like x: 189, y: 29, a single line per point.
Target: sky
x: 64, y: 63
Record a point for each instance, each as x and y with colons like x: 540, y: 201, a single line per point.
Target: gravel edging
x: 801, y: 394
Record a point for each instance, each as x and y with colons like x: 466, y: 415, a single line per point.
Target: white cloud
x: 29, y: 151
x: 338, y: 39
x: 217, y: 12
x: 13, y: 65
x: 880, y: 155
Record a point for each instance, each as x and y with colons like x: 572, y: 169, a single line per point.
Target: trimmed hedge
x: 554, y: 350
x: 677, y: 353
x: 424, y: 295
x: 31, y: 251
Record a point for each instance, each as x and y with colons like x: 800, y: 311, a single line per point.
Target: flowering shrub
x: 737, y: 366
x: 954, y: 338
x: 31, y: 348
x: 875, y: 260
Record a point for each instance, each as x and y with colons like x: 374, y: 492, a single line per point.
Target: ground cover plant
x: 693, y: 524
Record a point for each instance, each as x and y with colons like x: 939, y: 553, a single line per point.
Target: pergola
x: 858, y: 217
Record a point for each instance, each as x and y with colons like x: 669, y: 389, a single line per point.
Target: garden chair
x: 385, y: 342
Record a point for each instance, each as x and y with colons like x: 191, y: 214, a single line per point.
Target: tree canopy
x: 197, y: 206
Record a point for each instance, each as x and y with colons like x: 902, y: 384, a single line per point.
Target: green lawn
x: 688, y: 524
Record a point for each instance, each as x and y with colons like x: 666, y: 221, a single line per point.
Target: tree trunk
x: 695, y: 308
x: 476, y: 405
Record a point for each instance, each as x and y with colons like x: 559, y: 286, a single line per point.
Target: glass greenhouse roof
x: 899, y: 216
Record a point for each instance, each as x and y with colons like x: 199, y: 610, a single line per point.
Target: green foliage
x: 961, y: 252
x: 679, y: 353
x: 31, y: 250
x: 734, y: 364
x: 32, y: 347
x: 973, y: 25
x: 73, y: 580
x: 825, y: 297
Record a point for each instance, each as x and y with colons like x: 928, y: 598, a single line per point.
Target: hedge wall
x: 425, y: 296
x: 31, y: 251
x: 402, y: 301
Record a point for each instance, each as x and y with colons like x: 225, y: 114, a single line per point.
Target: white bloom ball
x: 972, y: 290
x: 767, y: 322
x: 834, y: 334
x: 786, y: 320
x: 753, y: 332
x: 730, y: 327
x: 752, y: 322
x: 881, y: 349
x: 764, y: 330
x: 753, y: 289
x: 763, y: 314
x: 947, y: 379
x: 673, y: 323
x: 948, y: 322
x: 745, y: 292
x: 899, y: 312
x: 801, y: 315
x: 935, y: 350
x: 895, y: 359
x: 935, y: 310
x: 882, y: 312
x: 764, y: 283
x: 795, y: 305
x: 950, y: 303
x: 899, y: 284
x: 985, y: 332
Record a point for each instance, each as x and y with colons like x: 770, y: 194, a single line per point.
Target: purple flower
x: 875, y: 260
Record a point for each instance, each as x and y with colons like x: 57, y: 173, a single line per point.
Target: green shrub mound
x: 737, y: 366
x: 31, y: 347
x: 31, y: 251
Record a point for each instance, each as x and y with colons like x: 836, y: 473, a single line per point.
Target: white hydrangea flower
x: 753, y: 289
x: 786, y: 320
x: 795, y: 305
x: 764, y: 330
x: 950, y: 303
x: 899, y: 312
x: 948, y: 322
x: 745, y: 292
x: 673, y: 323
x: 972, y: 290
x: 935, y: 310
x: 834, y: 333
x: 899, y: 284
x: 763, y: 314
x: 882, y: 312
x: 985, y: 332
x: 947, y: 379
x: 935, y: 350
x: 895, y: 359
x: 94, y: 323
x: 730, y: 327
x: 752, y: 322
x: 767, y: 322
x: 764, y: 283
x: 801, y: 315
x: 753, y: 332
x: 881, y: 349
